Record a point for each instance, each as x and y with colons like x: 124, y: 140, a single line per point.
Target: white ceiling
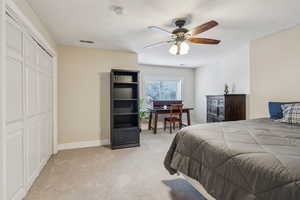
x: 240, y: 21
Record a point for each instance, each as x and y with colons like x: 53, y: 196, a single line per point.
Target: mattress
x: 243, y: 160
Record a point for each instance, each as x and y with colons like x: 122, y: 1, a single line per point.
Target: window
x: 162, y: 90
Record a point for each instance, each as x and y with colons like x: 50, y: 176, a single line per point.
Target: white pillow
x: 291, y: 113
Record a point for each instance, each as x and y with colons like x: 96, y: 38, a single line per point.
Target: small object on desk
x: 165, y: 107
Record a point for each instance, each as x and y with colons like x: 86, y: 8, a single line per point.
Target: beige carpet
x: 100, y: 173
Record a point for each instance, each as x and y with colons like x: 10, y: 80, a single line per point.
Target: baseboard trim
x: 85, y: 144
x: 36, y: 173
x: 20, y: 194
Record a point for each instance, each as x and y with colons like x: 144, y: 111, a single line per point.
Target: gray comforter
x: 244, y: 160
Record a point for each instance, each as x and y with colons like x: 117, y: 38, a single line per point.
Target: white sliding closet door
x: 29, y: 110
x: 15, y: 126
x: 45, y: 104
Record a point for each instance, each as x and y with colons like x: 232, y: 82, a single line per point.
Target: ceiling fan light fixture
x: 181, y: 35
x: 174, y: 49
x: 184, y: 48
x: 179, y: 48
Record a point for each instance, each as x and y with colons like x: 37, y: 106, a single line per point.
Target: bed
x: 242, y: 160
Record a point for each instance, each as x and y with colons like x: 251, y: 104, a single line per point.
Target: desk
x: 157, y: 111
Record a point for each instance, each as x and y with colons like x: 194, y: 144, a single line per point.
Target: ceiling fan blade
x: 202, y: 28
x: 204, y: 41
x: 160, y: 29
x: 158, y: 44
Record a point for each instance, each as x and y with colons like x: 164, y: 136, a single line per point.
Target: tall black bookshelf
x: 125, y: 124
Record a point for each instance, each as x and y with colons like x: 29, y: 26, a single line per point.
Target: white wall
x: 84, y: 92
x: 173, y: 73
x: 232, y: 69
x: 176, y: 73
x: 275, y: 70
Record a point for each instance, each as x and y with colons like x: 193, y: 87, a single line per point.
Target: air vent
x: 118, y: 10
x: 87, y: 41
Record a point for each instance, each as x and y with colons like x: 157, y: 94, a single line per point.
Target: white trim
x: 55, y: 105
x: 30, y: 180
x: 3, y: 178
x: 78, y: 145
x: 19, y: 195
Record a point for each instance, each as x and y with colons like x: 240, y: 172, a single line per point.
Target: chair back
x: 176, y: 110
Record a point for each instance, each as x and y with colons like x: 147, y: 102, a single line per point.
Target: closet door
x: 29, y: 110
x: 32, y: 119
x: 45, y: 104
x: 15, y: 112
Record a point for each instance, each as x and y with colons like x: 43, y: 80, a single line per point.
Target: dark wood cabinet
x: 125, y: 123
x: 226, y: 107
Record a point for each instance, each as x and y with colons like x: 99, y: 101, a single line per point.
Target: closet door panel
x: 14, y: 92
x: 31, y: 92
x: 43, y: 93
x: 15, y: 163
x: 49, y: 65
x: 42, y: 60
x: 48, y: 93
x: 33, y: 151
x: 15, y: 112
x: 45, y: 138
x: 30, y: 51
x: 30, y: 60
x: 14, y: 37
x: 50, y: 142
x: 44, y: 132
x: 48, y: 135
x: 14, y: 73
x: 41, y: 101
x: 44, y: 99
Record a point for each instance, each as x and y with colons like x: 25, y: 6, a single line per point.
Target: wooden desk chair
x: 175, y: 116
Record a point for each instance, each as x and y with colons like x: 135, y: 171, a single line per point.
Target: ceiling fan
x: 180, y: 36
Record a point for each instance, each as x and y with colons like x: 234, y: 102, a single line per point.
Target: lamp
x: 180, y: 48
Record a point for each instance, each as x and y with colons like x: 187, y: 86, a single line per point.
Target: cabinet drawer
x: 210, y: 119
x: 215, y: 118
x: 221, y: 118
x: 221, y: 110
x: 125, y: 136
